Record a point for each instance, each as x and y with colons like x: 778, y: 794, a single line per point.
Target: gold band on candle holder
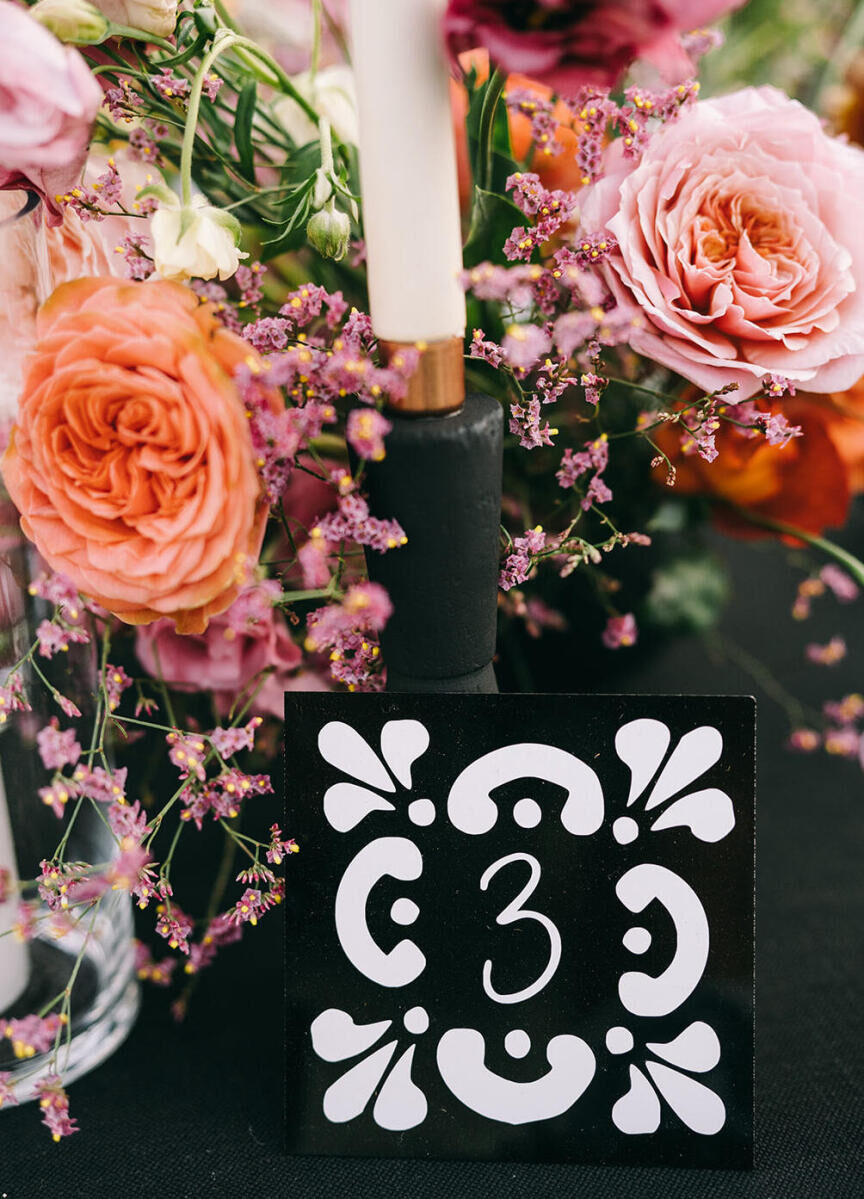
x: 437, y: 386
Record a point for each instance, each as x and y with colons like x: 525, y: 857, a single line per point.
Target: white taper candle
x: 408, y: 170
x: 14, y: 954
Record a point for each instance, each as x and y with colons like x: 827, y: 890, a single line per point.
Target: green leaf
x: 246, y: 103
x: 493, y: 219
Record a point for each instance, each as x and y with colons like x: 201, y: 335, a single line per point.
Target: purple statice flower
x: 524, y: 345
x: 32, y: 1034
x: 804, y: 741
x: 142, y: 145
x: 212, y: 84
x: 620, y: 631
x: 252, y: 905
x: 54, y: 1105
x: 187, y: 753
x: 351, y: 522
x: 845, y: 711
x: 777, y: 429
x: 248, y: 279
x: 136, y: 254
x: 313, y: 558
x: 128, y: 820
x: 592, y: 248
x: 512, y: 285
x: 279, y: 847
x: 231, y: 741
x: 525, y: 421
x: 169, y: 85
x: 644, y: 111
x: 486, y: 351
x: 518, y: 564
x: 148, y: 969
x: 593, y: 110
x: 57, y: 795
x: 127, y: 869
x: 842, y: 585
x: 699, y: 42
x: 58, y: 590
x: 539, y: 112
x: 365, y: 431
x: 174, y: 925
x: 843, y: 743
x: 827, y: 655
x: 57, y: 749
x: 54, y: 637
x: 122, y: 101
x: 67, y: 706
x: 268, y: 334
x: 551, y: 208
x: 777, y: 386
x: 365, y: 607
x: 593, y: 456
x: 101, y: 785
x: 116, y: 681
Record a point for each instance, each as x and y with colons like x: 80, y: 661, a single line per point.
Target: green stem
x: 494, y: 89
x: 223, y: 41
x: 854, y: 565
x: 316, y: 41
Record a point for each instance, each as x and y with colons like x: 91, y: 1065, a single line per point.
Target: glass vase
x: 76, y: 964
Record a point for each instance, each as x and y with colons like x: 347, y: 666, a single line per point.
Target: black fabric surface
x: 196, y: 1110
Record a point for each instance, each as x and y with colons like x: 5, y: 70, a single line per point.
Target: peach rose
x: 131, y: 463
x: 740, y: 241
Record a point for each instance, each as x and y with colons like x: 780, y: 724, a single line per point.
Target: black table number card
x: 521, y: 927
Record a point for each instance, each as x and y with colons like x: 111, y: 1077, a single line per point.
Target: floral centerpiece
x: 666, y: 293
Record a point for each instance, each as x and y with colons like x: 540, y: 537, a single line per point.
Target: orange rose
x: 804, y: 483
x: 555, y: 170
x: 131, y: 463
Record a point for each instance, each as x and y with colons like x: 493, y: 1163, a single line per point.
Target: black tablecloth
x: 197, y: 1110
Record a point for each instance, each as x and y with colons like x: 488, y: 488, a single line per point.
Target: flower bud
x: 323, y: 188
x: 194, y: 241
x: 73, y: 21
x: 329, y: 231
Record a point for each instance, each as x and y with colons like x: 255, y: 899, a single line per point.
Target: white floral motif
x: 347, y: 804
x: 400, y: 1104
x: 642, y: 746
x: 697, y: 1050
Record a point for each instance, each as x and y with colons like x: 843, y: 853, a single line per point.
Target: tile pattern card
x: 521, y: 927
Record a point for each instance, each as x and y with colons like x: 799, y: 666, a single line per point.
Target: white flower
x: 74, y: 21
x: 332, y: 95
x: 153, y: 16
x: 329, y: 231
x: 195, y: 241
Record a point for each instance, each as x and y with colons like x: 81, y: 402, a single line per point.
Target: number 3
x: 513, y: 912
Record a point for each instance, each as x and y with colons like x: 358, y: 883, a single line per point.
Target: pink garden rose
x: 569, y: 43
x: 48, y: 100
x: 741, y: 243
x: 237, y: 645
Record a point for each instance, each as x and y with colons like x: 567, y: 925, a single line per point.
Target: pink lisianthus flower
x: 50, y: 100
x: 568, y: 44
x: 738, y: 241
x: 238, y: 645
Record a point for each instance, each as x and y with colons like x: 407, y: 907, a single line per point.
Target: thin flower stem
x: 854, y: 565
x: 316, y: 41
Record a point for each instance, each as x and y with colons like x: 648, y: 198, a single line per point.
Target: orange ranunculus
x: 555, y: 170
x: 804, y: 483
x: 844, y: 412
x: 131, y: 463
